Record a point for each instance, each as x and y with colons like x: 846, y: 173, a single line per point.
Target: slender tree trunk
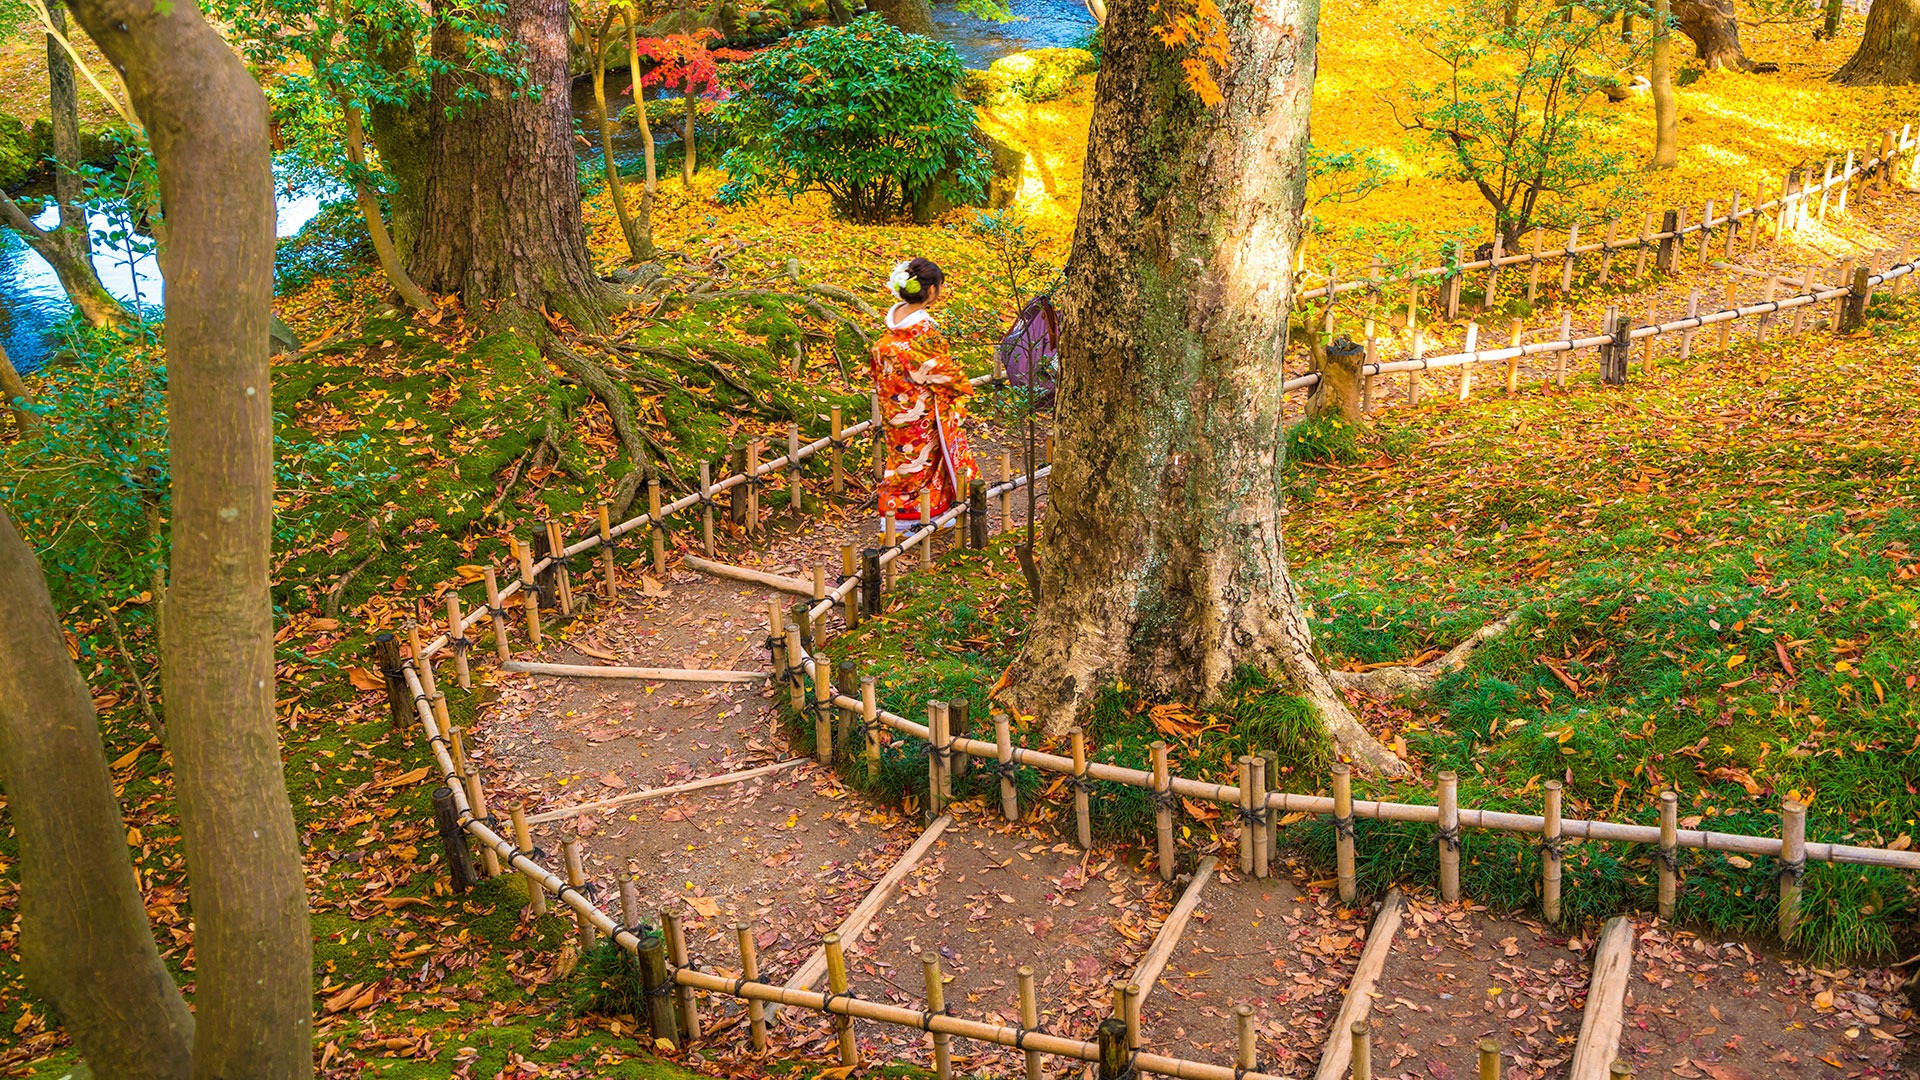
x: 1715, y: 31
x: 1161, y: 555
x: 369, y: 203
x: 646, y: 131
x: 399, y: 133
x: 14, y: 395
x: 1889, y: 52
x: 639, y: 248
x: 688, y: 164
x: 207, y: 122
x: 71, y: 263
x: 913, y: 16
x: 85, y: 943
x: 63, y: 118
x: 1666, y: 120
x: 502, y: 222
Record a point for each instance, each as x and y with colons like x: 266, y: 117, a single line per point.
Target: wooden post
x: 945, y: 717
x: 1732, y: 303
x: 541, y: 547
x: 796, y: 488
x: 1114, y: 1051
x: 1003, y: 744
x: 1846, y: 180
x: 1362, y: 1059
x: 656, y: 528
x: 458, y: 750
x: 1561, y: 357
x: 839, y: 463
x: 1343, y: 831
x: 1493, y: 271
x: 1606, y: 250
x: 1886, y: 160
x: 752, y: 487
x: 1513, y: 362
x: 1706, y: 232
x: 1082, y: 816
x: 423, y: 667
x: 453, y: 838
x: 1533, y: 266
x: 869, y: 718
x: 1668, y: 858
x: 1793, y: 864
x: 523, y: 839
x: 577, y: 877
x: 977, y: 514
x: 1029, y: 1017
x: 606, y: 549
x: 529, y: 595
x: 1414, y: 377
x: 1759, y: 217
x: 1448, y: 837
x: 1130, y: 1012
x: 706, y: 509
x: 890, y: 540
x: 926, y: 522
x: 1859, y: 294
x: 1163, y: 809
x: 872, y: 576
x: 1686, y: 336
x: 937, y: 1003
x: 1761, y: 323
x: 499, y: 615
x: 1613, y: 361
x: 677, y: 953
x: 837, y: 984
x: 1449, y: 290
x: 386, y: 656
x: 1826, y: 187
x: 1006, y: 493
x: 477, y: 802
x: 1261, y: 816
x: 1567, y: 265
x: 1489, y: 1060
x: 562, y: 577
x: 1551, y: 857
x: 1646, y: 343
x: 797, y: 668
x: 846, y: 684
x: 1899, y: 259
x: 1247, y: 1055
x: 936, y: 746
x: 1246, y: 814
x: 822, y: 712
x: 750, y: 971
x: 1669, y: 225
x: 1640, y: 252
x: 1466, y: 369
x: 1733, y: 224
x: 657, y: 987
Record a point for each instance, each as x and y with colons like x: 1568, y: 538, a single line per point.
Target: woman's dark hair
x: 923, y: 276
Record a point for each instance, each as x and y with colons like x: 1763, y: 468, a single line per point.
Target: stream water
x: 32, y: 304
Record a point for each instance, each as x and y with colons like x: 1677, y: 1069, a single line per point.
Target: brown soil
x: 1458, y: 975
x: 1261, y: 943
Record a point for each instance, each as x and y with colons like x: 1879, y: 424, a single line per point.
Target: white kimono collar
x: 917, y: 317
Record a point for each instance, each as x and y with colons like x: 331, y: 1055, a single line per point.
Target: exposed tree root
x: 1404, y: 679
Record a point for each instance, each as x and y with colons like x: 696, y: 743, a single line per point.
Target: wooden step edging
x: 1147, y: 972
x: 646, y: 674
x: 790, y: 586
x: 1600, y: 1021
x: 690, y: 786
x: 1359, y: 999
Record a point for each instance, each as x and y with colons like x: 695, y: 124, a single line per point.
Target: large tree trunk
x: 1162, y: 559
x: 1889, y: 52
x: 1715, y: 32
x: 502, y: 221
x: 207, y: 122
x: 399, y: 133
x: 913, y: 16
x: 84, y: 940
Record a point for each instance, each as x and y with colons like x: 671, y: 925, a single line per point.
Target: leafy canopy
x: 864, y: 112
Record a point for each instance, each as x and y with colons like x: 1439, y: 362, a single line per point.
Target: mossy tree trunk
x: 1715, y: 31
x: 1666, y: 119
x: 501, y: 224
x: 399, y: 132
x: 1889, y: 52
x: 1161, y: 557
x: 913, y: 16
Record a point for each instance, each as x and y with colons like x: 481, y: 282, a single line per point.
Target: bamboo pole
x: 1489, y: 1060
x: 529, y: 596
x: 1566, y: 268
x: 1706, y: 232
x: 822, y: 715
x: 1640, y: 256
x: 650, y: 674
x: 837, y: 983
x: 458, y: 747
x: 1006, y: 492
x: 1826, y: 186
x: 557, y: 546
x: 890, y: 541
x: 497, y: 613
x: 1668, y: 857
x: 937, y: 1003
x: 1447, y: 835
x: 1533, y: 267
x: 607, y: 565
x: 477, y: 801
x: 1493, y: 271
x: 421, y: 662
x: 1146, y: 974
x: 1130, y: 996
x: 868, y: 718
x: 1733, y: 302
x: 1733, y: 224
x: 1693, y: 311
x: 926, y: 522
x: 1513, y: 362
x: 1163, y: 809
x: 657, y: 529
x: 839, y: 466
x: 750, y: 971
x: 1566, y: 334
x: 796, y: 653
x: 576, y: 878
x: 1260, y: 816
x: 1359, y: 998
x: 706, y: 508
x: 1466, y: 369
x: 1009, y: 794
x: 1246, y: 1055
x: 1362, y: 1050
x: 789, y: 585
x: 677, y: 953
x: 523, y: 839
x: 944, y: 712
x: 753, y: 481
x: 1793, y: 860
x: 1600, y: 1021
x: 1029, y: 1017
x: 1606, y: 251
x: 1343, y: 831
x: 1246, y: 813
x: 1761, y: 322
x: 1082, y: 812
x: 936, y: 740
x: 446, y: 820
x: 1551, y: 856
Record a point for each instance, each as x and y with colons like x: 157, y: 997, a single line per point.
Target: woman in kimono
x: 922, y: 395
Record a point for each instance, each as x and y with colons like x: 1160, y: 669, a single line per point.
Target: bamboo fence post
x: 497, y: 613
x: 457, y: 747
x: 576, y: 878
x: 849, y: 601
x: 750, y: 971
x: 752, y: 484
x: 1163, y: 809
x: 822, y: 713
x: 1362, y: 1060
x: 1247, y: 1056
x: 937, y: 1003
x: 869, y: 716
x: 1493, y: 270
x: 1646, y: 347
x: 837, y: 985
x: 1343, y: 830
x: 1466, y: 369
x: 1886, y: 159
x: 1561, y: 357
x: 1448, y: 836
x: 1733, y: 224
x: 386, y: 656
x: 1267, y: 764
x: 1899, y: 259
x: 605, y: 511
x: 1846, y: 181
x: 1706, y: 231
x: 1260, y: 816
x: 1130, y: 1011
x: 776, y: 640
x: 453, y: 838
x: 890, y: 537
x: 1859, y: 295
x: 796, y: 668
x: 959, y: 726
x: 1003, y: 742
x: 440, y: 712
x: 926, y: 522
x: 562, y: 576
x: 1450, y: 285
x: 935, y: 748
x: 1566, y: 267
x: 1489, y: 1060
x: 1800, y: 313
x: 1082, y: 815
x: 1414, y: 377
x: 1640, y: 253
x: 529, y: 596
x: 422, y: 666
x: 1513, y: 362
x: 458, y: 641
x: 1766, y: 297
x: 477, y: 803
x: 1551, y: 856
x: 657, y: 528
x: 1732, y: 303
x: 1246, y: 814
x: 1114, y: 1052
x: 677, y: 955
x: 1029, y: 1017
x: 1786, y: 221
x: 846, y: 684
x: 523, y: 839
x: 1668, y: 857
x: 819, y: 628
x: 839, y: 461
x: 1326, y: 305
x: 1370, y: 357
x: 1606, y: 250
x: 796, y: 488
x: 657, y: 987
x: 706, y: 508
x: 1006, y: 493
x: 1844, y: 278
x: 1619, y: 1070
x: 944, y: 714
x: 1793, y: 864
x: 1759, y: 214
x: 879, y: 430
x: 1533, y: 266
x: 1686, y: 336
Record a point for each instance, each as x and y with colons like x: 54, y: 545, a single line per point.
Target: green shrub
x: 863, y: 112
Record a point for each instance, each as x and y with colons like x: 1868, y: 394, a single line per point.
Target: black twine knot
x: 1792, y: 871
x: 1552, y: 846
x: 1251, y: 815
x: 1343, y: 827
x: 1079, y: 782
x: 1165, y: 799
x: 1007, y: 769
x: 1668, y: 860
x: 1449, y: 837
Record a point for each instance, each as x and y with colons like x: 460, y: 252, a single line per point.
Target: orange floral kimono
x: 922, y: 395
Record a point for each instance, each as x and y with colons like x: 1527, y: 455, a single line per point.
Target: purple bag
x: 1030, y: 352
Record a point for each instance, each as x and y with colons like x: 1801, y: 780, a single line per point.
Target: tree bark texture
x: 399, y: 133
x: 63, y: 120
x: 502, y: 215
x: 1889, y: 52
x: 85, y: 943
x: 1161, y: 556
x: 913, y: 16
x: 1715, y: 32
x: 206, y: 120
x: 1666, y: 118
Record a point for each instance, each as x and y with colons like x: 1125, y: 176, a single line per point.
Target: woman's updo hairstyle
x: 914, y: 280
